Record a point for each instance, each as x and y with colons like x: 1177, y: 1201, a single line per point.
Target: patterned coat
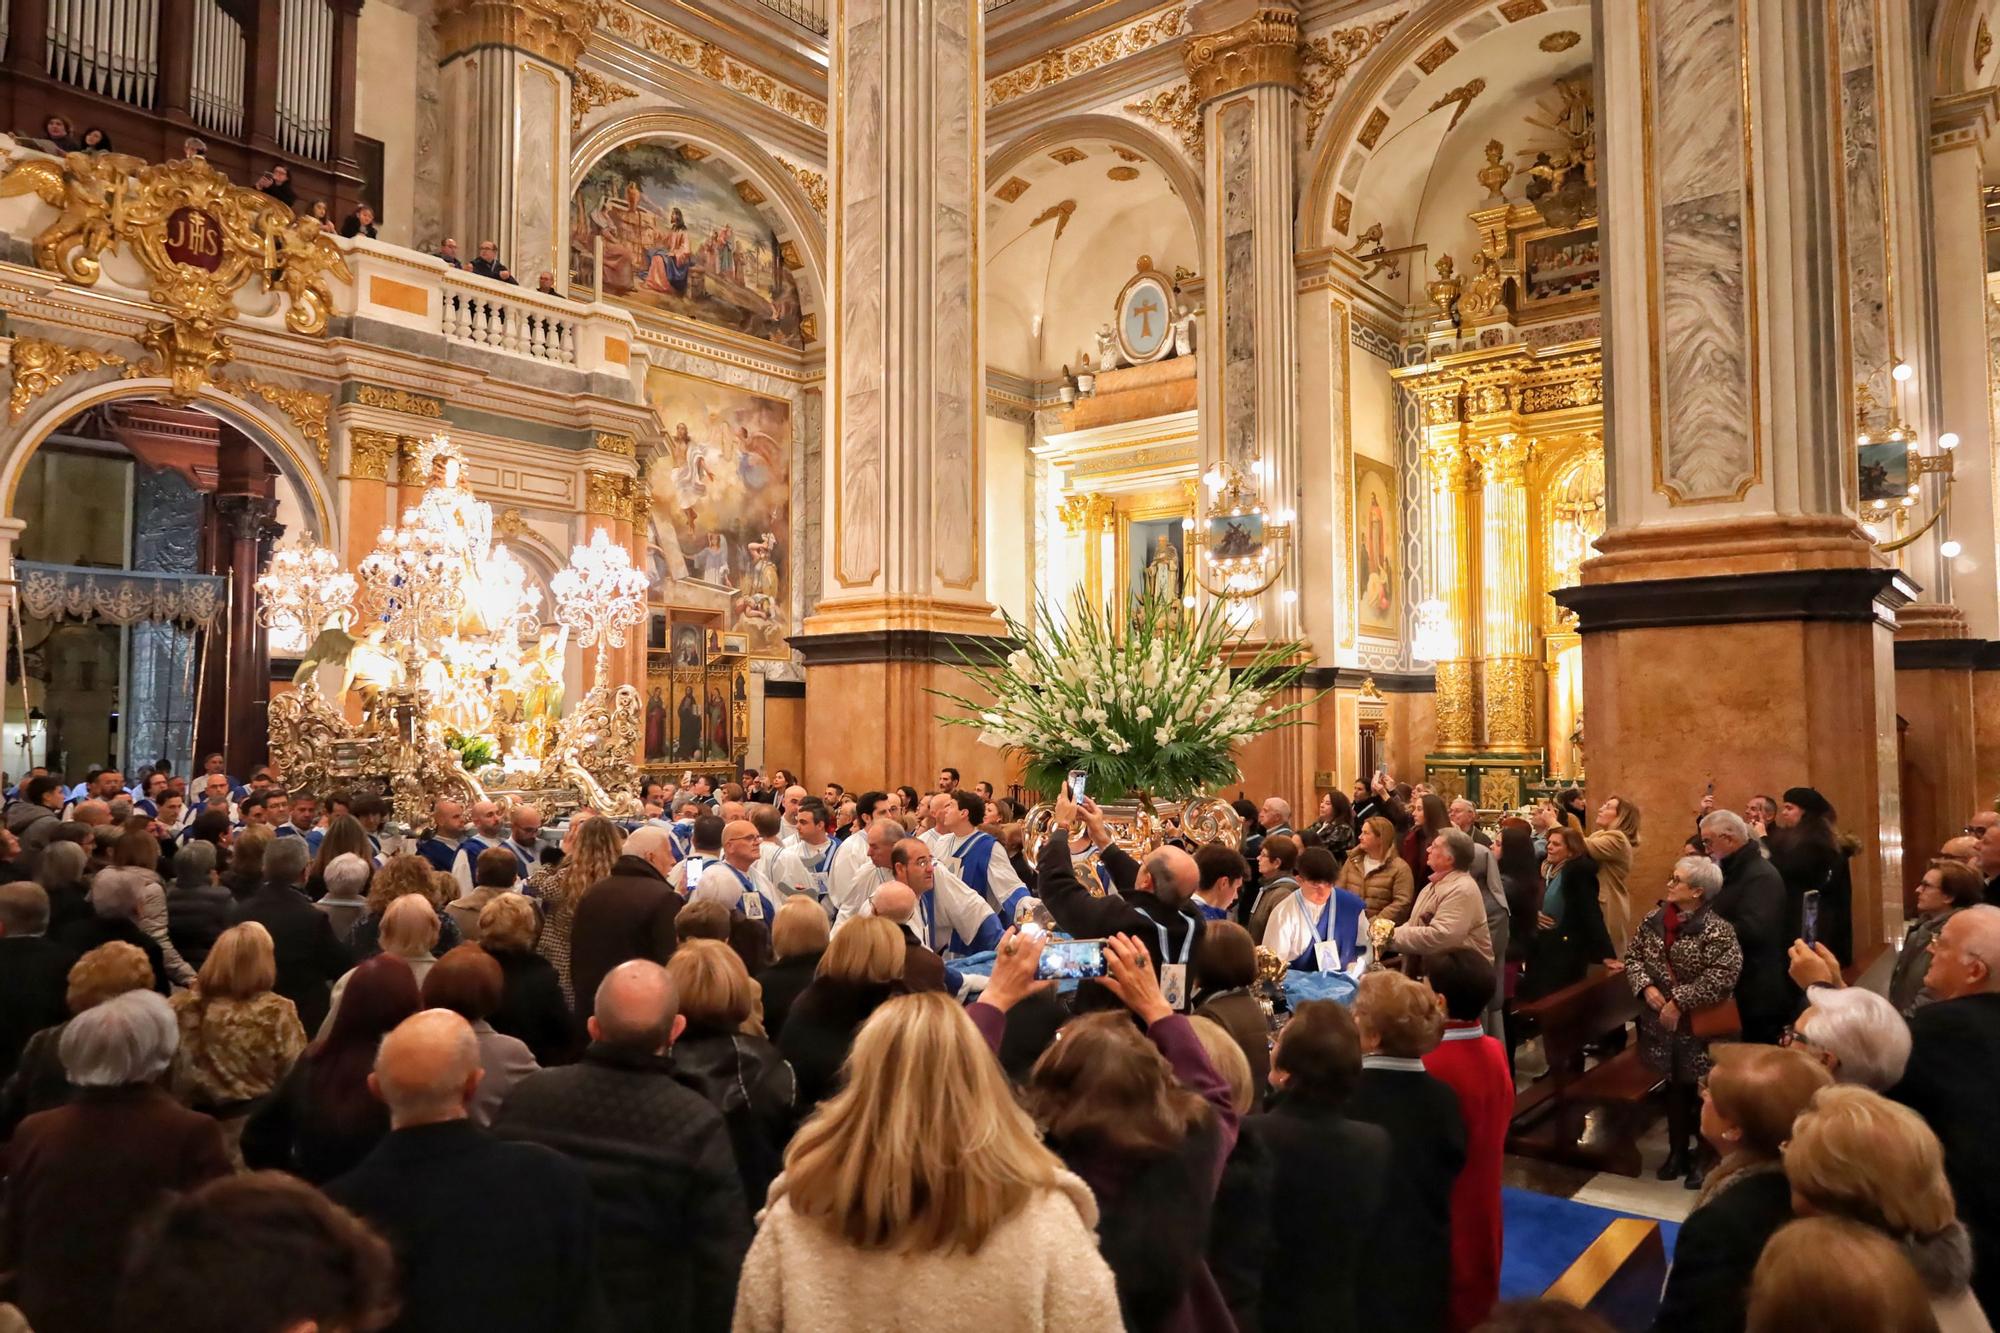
x: 1699, y: 973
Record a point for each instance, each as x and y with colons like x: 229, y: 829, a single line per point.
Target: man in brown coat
x: 626, y: 915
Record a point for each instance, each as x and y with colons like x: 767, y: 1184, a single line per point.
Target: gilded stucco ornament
x: 1264, y: 48
x: 39, y: 365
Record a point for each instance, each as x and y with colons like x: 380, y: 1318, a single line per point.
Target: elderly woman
x: 37, y: 1083
x: 1946, y: 887
x: 1683, y: 960
x: 741, y: 1074
x: 135, y: 863
x: 1857, y: 1155
x: 798, y: 940
x: 409, y: 933
x: 1610, y: 845
x: 115, y: 902
x: 468, y: 982
x: 80, y: 1177
x: 1450, y: 913
x: 1377, y: 874
x: 399, y: 877
x: 346, y: 899
x: 198, y: 908
x: 1855, y: 1033
x: 1748, y: 1106
x: 532, y: 1004
x: 861, y: 969
x: 238, y: 1037
x: 246, y: 861
x: 59, y: 870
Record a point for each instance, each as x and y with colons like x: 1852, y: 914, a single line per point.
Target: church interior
x: 618, y: 391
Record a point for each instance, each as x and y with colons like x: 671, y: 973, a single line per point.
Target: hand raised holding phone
x: 1133, y: 980
x: 1015, y: 964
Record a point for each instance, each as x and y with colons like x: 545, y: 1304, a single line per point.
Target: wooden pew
x: 1550, y: 1117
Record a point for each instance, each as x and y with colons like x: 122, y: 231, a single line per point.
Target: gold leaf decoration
x: 1177, y: 109
x: 1324, y: 63
x: 39, y: 365
x: 1092, y: 53
x: 1560, y: 41
x: 399, y: 400
x: 307, y: 409
x: 811, y: 182
x: 1462, y: 95
x: 589, y: 92
x: 709, y: 61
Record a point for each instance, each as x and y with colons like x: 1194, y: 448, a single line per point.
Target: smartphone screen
x: 1077, y: 778
x: 1809, y: 923
x: 1071, y: 960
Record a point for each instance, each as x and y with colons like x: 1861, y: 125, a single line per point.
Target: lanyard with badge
x: 1173, y: 976
x: 1326, y: 952
x: 753, y: 901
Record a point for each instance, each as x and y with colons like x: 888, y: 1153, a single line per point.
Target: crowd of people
x: 771, y: 1059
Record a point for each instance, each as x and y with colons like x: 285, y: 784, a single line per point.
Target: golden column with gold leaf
x: 371, y: 456
x: 1507, y: 622
x: 1451, y: 471
x: 608, y: 506
x: 1088, y: 518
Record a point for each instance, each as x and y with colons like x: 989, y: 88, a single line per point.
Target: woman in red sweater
x: 1474, y: 1066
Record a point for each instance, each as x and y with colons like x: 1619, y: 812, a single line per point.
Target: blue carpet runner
x: 1544, y: 1236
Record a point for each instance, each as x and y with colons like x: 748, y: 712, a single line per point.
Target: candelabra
x: 1243, y: 546
x: 1892, y: 462
x: 599, y: 595
x: 304, y: 591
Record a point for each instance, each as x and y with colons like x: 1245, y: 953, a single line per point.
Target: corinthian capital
x: 555, y: 30
x: 1234, y: 44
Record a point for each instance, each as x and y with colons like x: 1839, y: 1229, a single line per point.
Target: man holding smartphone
x: 1152, y: 902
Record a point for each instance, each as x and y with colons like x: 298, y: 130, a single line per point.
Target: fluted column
x: 1507, y: 619
x: 506, y: 67
x: 904, y: 568
x: 1242, y: 58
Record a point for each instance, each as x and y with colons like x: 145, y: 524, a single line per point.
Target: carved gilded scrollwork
x: 371, y: 452
x: 812, y: 182
x: 1510, y: 710
x: 1264, y: 48
x: 39, y: 365
x: 613, y: 442
x: 1092, y: 512
x: 588, y: 92
x: 605, y: 494
x: 399, y: 400
x: 1504, y: 459
x: 596, y: 748
x: 1325, y: 61
x: 1177, y: 109
x: 702, y: 57
x: 1457, y: 723
x: 307, y: 409
x: 555, y: 30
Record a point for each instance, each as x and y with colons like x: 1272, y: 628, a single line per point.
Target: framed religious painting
x: 1144, y: 324
x: 1377, y: 549
x: 656, y: 632
x: 1559, y: 270
x: 715, y: 715
x: 687, y: 650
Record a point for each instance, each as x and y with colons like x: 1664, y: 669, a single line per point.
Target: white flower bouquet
x: 1155, y: 705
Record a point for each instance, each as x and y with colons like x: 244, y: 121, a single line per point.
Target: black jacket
x: 1953, y: 1082
x: 1406, y: 1287
x: 1140, y: 915
x: 1752, y: 901
x: 533, y: 1010
x: 672, y: 1224
x: 196, y: 918
x: 820, y: 1030
x: 783, y: 982
x: 1561, y: 954
x: 626, y: 915
x: 746, y: 1079
x: 80, y: 937
x: 34, y: 978
x: 310, y: 959
x: 490, y: 1237
x: 1240, y: 1237
x: 1709, y: 1284
x: 1311, y: 1288
x: 294, y: 1130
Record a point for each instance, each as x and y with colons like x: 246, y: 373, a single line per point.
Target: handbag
x: 1718, y: 1020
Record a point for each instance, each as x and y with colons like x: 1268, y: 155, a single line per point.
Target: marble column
x: 1242, y: 59
x: 506, y: 66
x: 1451, y: 472
x: 1734, y: 581
x: 903, y: 574
x: 249, y: 527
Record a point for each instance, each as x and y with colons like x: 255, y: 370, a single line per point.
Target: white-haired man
x: 1752, y: 901
x: 438, y: 1188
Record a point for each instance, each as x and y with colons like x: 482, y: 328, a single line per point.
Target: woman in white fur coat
x: 921, y: 1198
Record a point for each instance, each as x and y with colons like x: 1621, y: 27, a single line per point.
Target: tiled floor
x: 1642, y: 1196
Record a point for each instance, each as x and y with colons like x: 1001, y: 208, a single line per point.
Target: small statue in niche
x: 1183, y: 330
x: 1107, y: 348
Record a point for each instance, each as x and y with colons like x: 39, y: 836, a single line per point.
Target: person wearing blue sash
x: 440, y: 846
x: 803, y: 867
x: 953, y: 919
x: 1319, y: 928
x: 1224, y: 872
x: 487, y: 832
x: 732, y: 880
x: 525, y: 837
x: 976, y: 857
x: 303, y: 821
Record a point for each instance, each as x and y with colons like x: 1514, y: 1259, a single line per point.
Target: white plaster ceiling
x: 1122, y: 207
x: 1421, y: 180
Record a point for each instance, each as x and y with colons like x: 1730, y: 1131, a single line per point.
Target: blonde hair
x: 1762, y: 1089
x: 241, y: 965
x: 1835, y: 1276
x: 105, y: 973
x: 1229, y: 1061
x: 799, y: 928
x: 589, y: 852
x: 713, y: 984
x: 1628, y: 818
x: 1385, y: 833
x: 507, y: 923
x: 1400, y: 1012
x: 1857, y: 1154
x: 409, y: 927
x: 870, y: 1164
x: 399, y: 876
x: 866, y: 949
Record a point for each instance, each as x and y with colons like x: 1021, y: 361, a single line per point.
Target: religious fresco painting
x: 722, y: 500
x: 1376, y: 542
x: 678, y: 238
